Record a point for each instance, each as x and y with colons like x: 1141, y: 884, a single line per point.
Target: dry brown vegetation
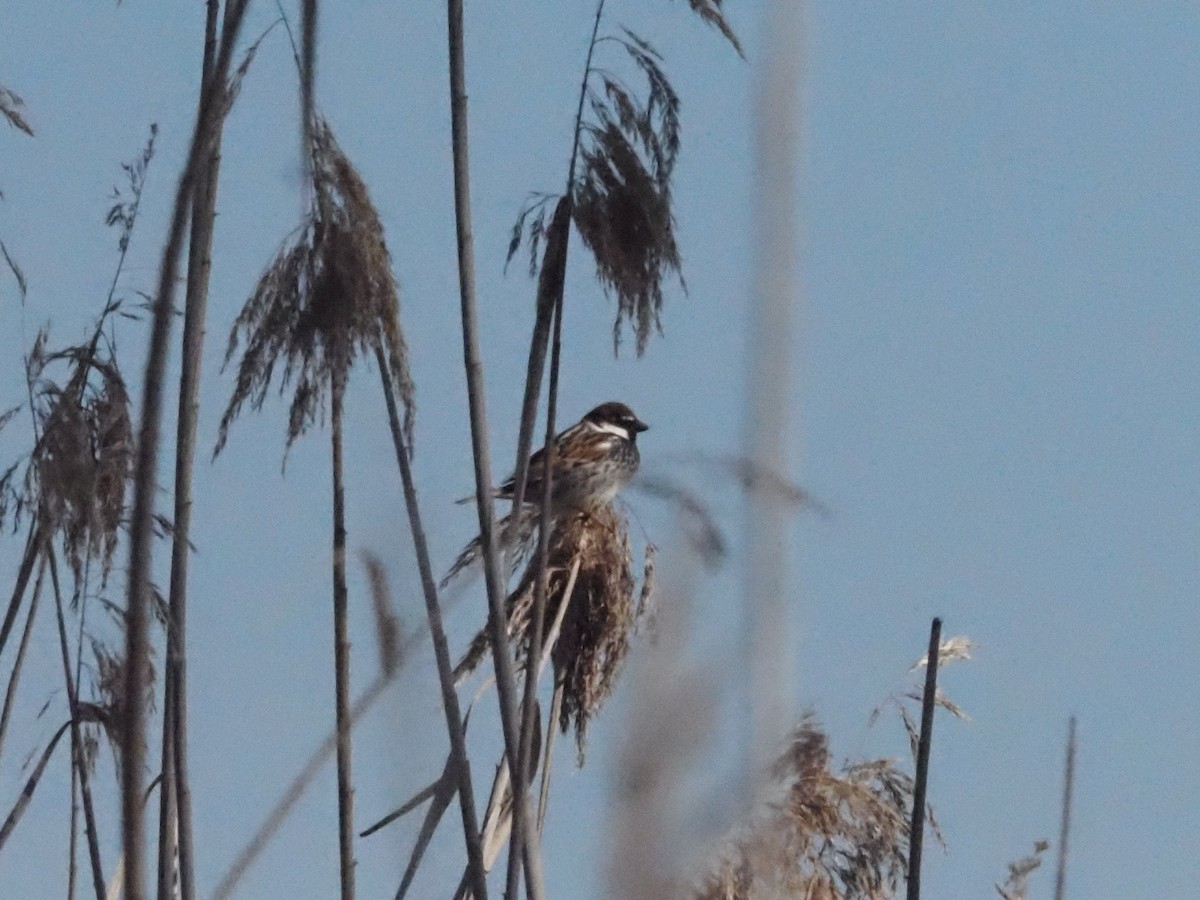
x: 827, y: 834
x: 86, y: 491
x: 328, y: 295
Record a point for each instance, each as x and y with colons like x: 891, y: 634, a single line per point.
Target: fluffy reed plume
x: 825, y: 834
x: 74, y: 480
x: 328, y: 295
x: 600, y: 618
x: 622, y: 195
x: 109, y: 687
x: 603, y: 607
x: 619, y: 179
x: 1016, y: 885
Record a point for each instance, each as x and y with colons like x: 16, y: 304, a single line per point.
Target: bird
x: 593, y: 460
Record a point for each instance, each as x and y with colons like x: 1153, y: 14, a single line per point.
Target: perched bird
x: 593, y: 460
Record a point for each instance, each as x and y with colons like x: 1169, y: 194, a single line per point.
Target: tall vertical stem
x: 550, y: 284
x: 770, y: 649
x: 916, y: 832
x: 441, y: 650
x: 175, y: 798
x: 1064, y: 832
x: 145, y: 479
x: 505, y: 681
x: 549, y: 307
x: 341, y: 642
x: 538, y: 623
x: 32, y: 545
x: 308, y: 73
x: 77, y: 760
x: 15, y: 678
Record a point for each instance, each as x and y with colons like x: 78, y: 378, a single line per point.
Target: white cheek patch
x: 611, y: 428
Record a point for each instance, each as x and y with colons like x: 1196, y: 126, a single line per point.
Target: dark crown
x: 617, y: 413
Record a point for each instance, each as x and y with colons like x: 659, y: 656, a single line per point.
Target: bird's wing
x: 537, y: 462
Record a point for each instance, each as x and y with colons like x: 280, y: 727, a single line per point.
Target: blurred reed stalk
x: 175, y: 797
x: 777, y: 304
x: 79, y: 763
x: 1064, y: 832
x: 505, y: 680
x: 460, y: 763
x: 338, y: 375
x: 551, y: 287
x: 145, y: 475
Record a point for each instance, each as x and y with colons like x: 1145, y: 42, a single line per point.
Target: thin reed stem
x: 441, y: 650
x: 14, y: 817
x: 145, y: 479
x: 341, y: 642
x: 77, y: 760
x: 559, y: 688
x: 506, y: 685
x: 175, y: 797
x: 538, y: 622
x: 1064, y: 831
x: 15, y: 678
x: 32, y: 545
x: 548, y: 751
x: 73, y: 836
x: 308, y: 74
x: 550, y: 286
x: 916, y: 831
x: 549, y: 309
x: 283, y: 807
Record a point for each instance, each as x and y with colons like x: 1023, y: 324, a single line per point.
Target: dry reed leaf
x: 387, y: 628
x: 516, y: 540
x: 951, y: 649
x: 234, y: 85
x: 710, y: 12
x: 18, y: 275
x: 1016, y: 885
x: 11, y: 107
x: 697, y: 522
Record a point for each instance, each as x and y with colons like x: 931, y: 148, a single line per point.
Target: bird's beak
x: 639, y: 426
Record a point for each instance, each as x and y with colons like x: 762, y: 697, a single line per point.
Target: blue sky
x: 994, y: 395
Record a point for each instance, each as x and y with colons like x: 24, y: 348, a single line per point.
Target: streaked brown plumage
x: 593, y: 460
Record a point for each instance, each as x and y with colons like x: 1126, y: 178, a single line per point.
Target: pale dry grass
x: 606, y: 602
x: 827, y: 833
x: 1016, y: 885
